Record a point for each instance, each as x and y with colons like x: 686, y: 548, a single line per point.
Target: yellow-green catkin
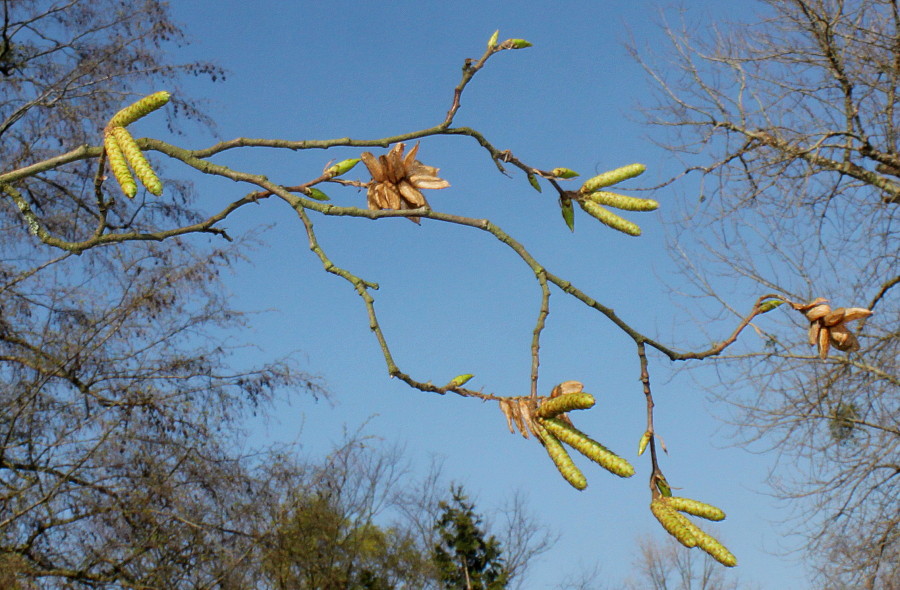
x: 561, y: 459
x: 565, y: 403
x: 623, y: 202
x: 136, y: 159
x: 716, y: 550
x: 588, y: 447
x: 609, y: 218
x: 696, y: 508
x: 675, y: 526
x: 119, y: 166
x: 612, y: 177
x: 144, y: 106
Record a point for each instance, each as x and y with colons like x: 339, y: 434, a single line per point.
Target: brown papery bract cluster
x: 828, y: 327
x: 398, y: 180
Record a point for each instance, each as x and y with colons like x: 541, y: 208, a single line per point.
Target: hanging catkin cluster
x: 553, y: 428
x: 667, y: 511
x: 122, y: 151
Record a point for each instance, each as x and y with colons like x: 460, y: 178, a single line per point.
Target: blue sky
x: 452, y: 300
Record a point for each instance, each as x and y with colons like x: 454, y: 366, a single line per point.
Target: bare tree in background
x: 117, y: 408
x: 666, y: 565
x: 792, y: 124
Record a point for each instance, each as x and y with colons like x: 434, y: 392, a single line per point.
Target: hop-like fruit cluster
x: 398, y: 180
x: 122, y: 151
x: 828, y: 327
x: 668, y: 512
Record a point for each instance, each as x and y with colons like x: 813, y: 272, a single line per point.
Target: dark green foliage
x: 465, y: 558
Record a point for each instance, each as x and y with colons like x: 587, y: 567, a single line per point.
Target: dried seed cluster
x: 667, y: 511
x: 398, y: 180
x: 122, y: 151
x: 828, y: 327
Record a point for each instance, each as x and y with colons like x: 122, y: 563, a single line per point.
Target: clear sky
x: 452, y: 300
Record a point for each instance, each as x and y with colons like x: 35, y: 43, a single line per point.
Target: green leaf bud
x: 534, y: 182
x: 492, y: 42
x: 460, y: 380
x: 563, y: 173
x: 645, y: 440
x: 314, y: 193
x: 568, y: 213
x: 767, y: 306
x: 342, y: 167
x: 663, y: 486
x: 612, y: 177
x: 515, y: 44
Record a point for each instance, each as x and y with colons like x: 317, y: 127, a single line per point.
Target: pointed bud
x: 612, y: 177
x: 492, y: 42
x: 568, y: 213
x: 767, y: 306
x: 663, y: 486
x: 534, y: 182
x: 563, y: 173
x: 314, y: 193
x: 645, y: 440
x: 135, y: 111
x: 459, y: 380
x: 342, y: 167
x: 515, y: 44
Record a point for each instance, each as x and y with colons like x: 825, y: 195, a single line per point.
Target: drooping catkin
x: 119, y: 166
x: 136, y: 110
x: 136, y: 159
x: 588, y: 447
